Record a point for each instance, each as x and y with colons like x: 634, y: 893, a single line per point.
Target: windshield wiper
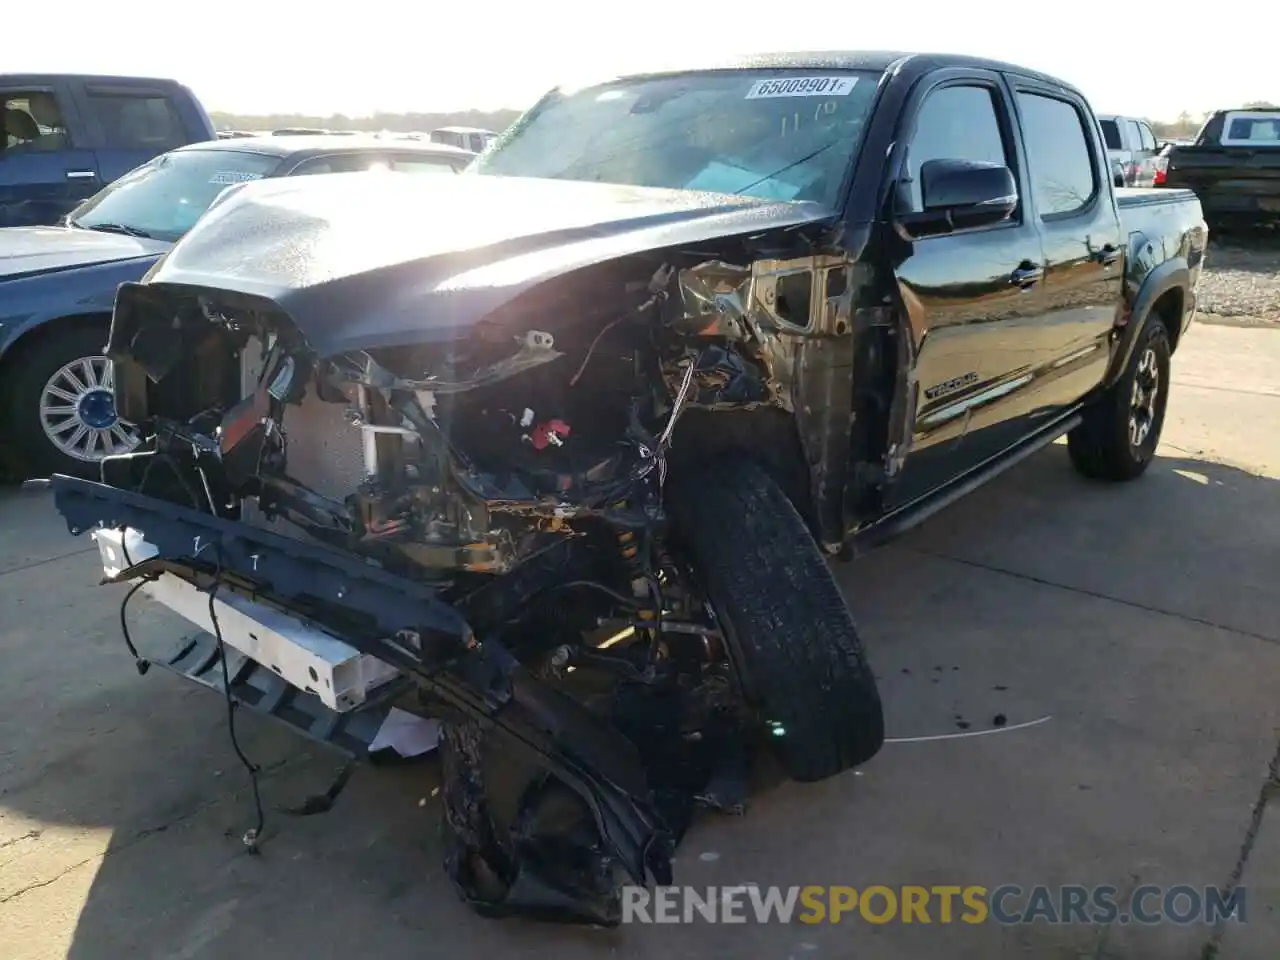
x: 781, y: 170
x: 113, y: 228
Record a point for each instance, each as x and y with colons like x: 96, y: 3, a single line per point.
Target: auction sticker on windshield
x: 802, y: 87
x: 233, y: 176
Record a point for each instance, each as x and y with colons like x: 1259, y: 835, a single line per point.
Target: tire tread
x: 804, y: 662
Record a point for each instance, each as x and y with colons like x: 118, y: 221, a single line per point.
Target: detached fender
x: 1148, y: 286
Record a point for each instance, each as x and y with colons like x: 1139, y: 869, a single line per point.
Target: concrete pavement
x: 1143, y: 621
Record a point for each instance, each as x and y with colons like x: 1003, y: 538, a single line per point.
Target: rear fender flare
x: 1173, y: 274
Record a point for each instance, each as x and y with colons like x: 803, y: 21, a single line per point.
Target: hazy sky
x: 267, y: 55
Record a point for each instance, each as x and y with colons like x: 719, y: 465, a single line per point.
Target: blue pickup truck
x: 63, y: 137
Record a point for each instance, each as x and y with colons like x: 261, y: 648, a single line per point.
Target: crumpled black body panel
x: 521, y: 843
x: 360, y: 262
x: 517, y: 842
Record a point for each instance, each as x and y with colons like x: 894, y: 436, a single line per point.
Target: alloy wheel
x: 78, y: 412
x: 1142, y: 402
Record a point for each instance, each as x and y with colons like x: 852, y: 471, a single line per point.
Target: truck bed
x: 1127, y: 197
x: 1165, y: 225
x: 1233, y: 183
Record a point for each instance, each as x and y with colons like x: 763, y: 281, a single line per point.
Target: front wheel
x: 1117, y: 440
x: 793, y: 643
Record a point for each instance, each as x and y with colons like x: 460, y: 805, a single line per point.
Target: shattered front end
x: 383, y: 465
x: 464, y: 520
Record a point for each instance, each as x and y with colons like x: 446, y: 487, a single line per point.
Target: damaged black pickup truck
x: 557, y: 451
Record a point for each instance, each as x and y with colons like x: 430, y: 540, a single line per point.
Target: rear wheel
x: 796, y: 652
x: 61, y: 406
x: 1118, y: 438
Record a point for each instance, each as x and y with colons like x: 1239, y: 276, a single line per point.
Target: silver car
x: 1132, y: 150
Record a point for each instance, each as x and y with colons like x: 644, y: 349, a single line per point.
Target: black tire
x: 27, y: 373
x: 1107, y: 446
x: 792, y: 640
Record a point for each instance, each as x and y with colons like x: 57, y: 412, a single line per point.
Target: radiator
x: 324, y: 451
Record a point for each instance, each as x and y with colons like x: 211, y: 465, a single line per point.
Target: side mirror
x: 958, y: 194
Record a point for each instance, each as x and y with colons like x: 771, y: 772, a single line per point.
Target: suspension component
x: 643, y: 587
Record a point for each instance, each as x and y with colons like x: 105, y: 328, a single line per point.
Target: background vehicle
x: 58, y: 283
x: 1131, y: 148
x: 64, y: 136
x: 615, y: 428
x: 311, y: 132
x: 1233, y: 167
x: 474, y: 139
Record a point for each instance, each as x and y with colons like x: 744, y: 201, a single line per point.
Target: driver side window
x: 954, y: 123
x: 31, y: 122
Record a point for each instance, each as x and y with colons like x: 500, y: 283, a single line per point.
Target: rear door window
x: 141, y: 120
x: 1148, y: 138
x: 1063, y: 176
x: 1251, y: 129
x: 340, y: 163
x: 417, y: 163
x: 1133, y: 134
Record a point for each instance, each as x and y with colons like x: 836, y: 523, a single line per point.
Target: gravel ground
x: 1241, y: 280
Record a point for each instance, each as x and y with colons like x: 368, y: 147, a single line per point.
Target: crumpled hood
x: 27, y: 251
x: 368, y: 260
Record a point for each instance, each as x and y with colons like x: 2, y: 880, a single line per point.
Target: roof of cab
x: 874, y: 60
x: 50, y: 78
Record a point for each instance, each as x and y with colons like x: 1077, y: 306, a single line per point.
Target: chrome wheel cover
x: 78, y: 415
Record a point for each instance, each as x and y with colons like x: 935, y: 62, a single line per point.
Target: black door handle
x: 1027, y: 275
x: 1108, y: 255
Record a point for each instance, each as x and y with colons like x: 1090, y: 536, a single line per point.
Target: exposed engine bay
x: 477, y: 454
x: 506, y: 545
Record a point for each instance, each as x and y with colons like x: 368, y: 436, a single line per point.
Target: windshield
x: 770, y: 134
x: 164, y: 197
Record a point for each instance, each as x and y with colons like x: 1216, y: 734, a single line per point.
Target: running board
x: 912, y: 514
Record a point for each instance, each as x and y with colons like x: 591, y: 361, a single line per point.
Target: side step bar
x: 903, y: 518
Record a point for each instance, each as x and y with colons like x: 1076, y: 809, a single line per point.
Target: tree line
x: 1186, y: 125
x: 396, y: 122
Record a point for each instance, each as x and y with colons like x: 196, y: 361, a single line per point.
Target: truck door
x: 1074, y: 206
x: 132, y: 123
x: 970, y: 296
x: 46, y: 168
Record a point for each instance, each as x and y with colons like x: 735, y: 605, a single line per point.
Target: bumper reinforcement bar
x: 405, y: 625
